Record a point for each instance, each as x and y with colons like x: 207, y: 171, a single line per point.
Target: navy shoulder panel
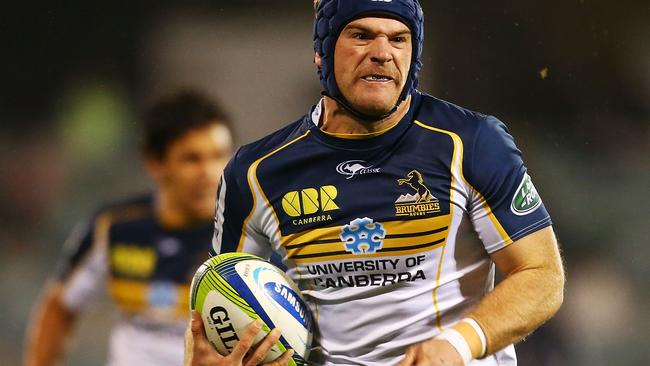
x: 144, y: 199
x: 492, y: 163
x: 484, y: 137
x: 234, y: 197
x: 82, y: 238
x: 249, y: 153
x: 448, y: 116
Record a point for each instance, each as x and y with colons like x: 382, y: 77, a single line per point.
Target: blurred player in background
x: 375, y: 224
x: 145, y: 249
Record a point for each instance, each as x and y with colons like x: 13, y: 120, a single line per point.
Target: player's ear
x: 317, y: 60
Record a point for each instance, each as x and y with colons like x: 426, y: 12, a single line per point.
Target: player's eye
x: 359, y: 35
x: 191, y: 158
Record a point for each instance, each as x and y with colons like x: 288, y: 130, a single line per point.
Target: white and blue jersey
x: 380, y: 233
x: 146, y: 270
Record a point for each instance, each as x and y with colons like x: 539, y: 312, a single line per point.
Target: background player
x: 144, y: 249
x: 392, y: 275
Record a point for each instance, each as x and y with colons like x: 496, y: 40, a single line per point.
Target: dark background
x: 570, y: 78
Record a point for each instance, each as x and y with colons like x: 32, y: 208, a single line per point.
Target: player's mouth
x: 377, y: 78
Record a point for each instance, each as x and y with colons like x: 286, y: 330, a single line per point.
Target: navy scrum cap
x: 331, y: 18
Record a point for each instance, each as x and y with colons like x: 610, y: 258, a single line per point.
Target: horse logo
x: 418, y: 203
x: 422, y: 193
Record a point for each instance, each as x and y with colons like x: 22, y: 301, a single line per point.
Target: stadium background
x: 571, y: 79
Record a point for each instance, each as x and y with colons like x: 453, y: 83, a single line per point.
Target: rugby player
x: 144, y: 249
x: 372, y: 200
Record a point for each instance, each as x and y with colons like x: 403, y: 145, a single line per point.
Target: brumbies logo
x: 418, y: 203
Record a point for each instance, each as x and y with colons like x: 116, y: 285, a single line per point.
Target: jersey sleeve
x: 83, y: 267
x: 504, y: 205
x: 236, y: 226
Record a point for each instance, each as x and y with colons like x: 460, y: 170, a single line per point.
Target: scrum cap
x: 331, y: 18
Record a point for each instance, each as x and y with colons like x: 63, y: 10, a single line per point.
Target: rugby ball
x: 232, y: 290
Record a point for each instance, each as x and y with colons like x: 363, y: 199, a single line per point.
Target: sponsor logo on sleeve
x: 526, y: 199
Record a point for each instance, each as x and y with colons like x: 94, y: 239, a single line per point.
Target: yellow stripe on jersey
x: 101, y: 228
x: 458, y: 142
x: 183, y: 304
x: 402, y: 238
x: 252, y: 172
x: 132, y: 297
x: 456, y: 162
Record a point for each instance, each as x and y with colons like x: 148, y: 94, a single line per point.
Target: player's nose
x: 380, y: 50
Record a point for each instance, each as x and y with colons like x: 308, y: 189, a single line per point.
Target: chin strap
x: 360, y: 115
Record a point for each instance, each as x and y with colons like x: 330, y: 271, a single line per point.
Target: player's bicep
x: 538, y: 250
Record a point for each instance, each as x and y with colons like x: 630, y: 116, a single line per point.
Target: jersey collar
x: 369, y: 143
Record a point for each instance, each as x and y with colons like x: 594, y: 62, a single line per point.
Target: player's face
x: 372, y: 58
x: 189, y: 172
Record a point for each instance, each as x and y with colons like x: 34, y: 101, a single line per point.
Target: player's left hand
x: 434, y: 352
x: 199, y: 351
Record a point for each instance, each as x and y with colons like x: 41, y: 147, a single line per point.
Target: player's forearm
x: 51, y: 326
x: 518, y: 306
x: 530, y: 294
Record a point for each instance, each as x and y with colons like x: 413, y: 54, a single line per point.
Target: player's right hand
x: 199, y: 351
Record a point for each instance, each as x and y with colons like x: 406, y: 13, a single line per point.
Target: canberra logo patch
x: 363, y: 236
x: 526, y: 199
x: 310, y: 205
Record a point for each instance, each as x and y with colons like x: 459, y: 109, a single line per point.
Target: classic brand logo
x: 310, y: 201
x: 526, y: 199
x: 363, y: 236
x: 418, y: 203
x: 355, y: 167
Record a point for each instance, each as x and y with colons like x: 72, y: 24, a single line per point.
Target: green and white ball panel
x: 278, y: 296
x: 224, y: 321
x: 232, y: 290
